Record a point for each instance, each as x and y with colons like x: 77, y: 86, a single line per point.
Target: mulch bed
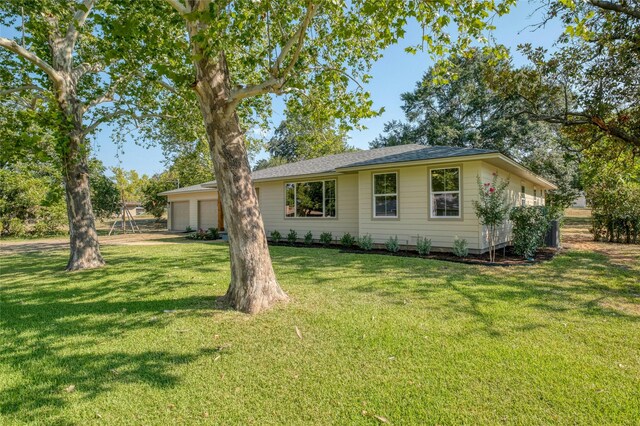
x: 504, y: 257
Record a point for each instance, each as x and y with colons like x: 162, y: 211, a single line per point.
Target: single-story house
x: 408, y: 191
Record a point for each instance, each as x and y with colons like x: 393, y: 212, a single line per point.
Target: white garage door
x: 207, y: 214
x: 179, y: 215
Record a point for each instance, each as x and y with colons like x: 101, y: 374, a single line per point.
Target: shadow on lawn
x: 572, y: 281
x: 58, y: 328
x: 42, y: 307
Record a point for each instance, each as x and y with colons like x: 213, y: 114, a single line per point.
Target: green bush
x: 530, y: 224
x: 365, y: 242
x: 460, y: 247
x: 308, y: 238
x: 16, y: 227
x: 213, y: 233
x: 276, y: 236
x: 326, y: 238
x: 392, y: 244
x: 347, y: 240
x: 292, y: 236
x: 208, y: 235
x: 189, y: 229
x: 423, y: 246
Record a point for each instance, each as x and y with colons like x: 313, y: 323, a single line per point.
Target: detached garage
x: 193, y: 206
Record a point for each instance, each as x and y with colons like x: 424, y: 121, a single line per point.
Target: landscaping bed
x: 504, y: 257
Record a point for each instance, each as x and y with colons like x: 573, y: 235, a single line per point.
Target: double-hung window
x: 385, y: 195
x: 310, y: 199
x: 445, y: 192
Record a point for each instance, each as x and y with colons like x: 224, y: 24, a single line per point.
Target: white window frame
x: 432, y: 193
x: 324, y: 199
x: 523, y: 195
x: 373, y: 198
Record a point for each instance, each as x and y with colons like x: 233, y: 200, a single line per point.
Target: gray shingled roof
x: 332, y: 163
x: 420, y: 152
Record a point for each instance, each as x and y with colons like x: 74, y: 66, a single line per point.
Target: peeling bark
x: 253, y: 285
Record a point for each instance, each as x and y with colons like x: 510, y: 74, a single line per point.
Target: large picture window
x: 445, y: 192
x: 310, y: 199
x: 385, y: 195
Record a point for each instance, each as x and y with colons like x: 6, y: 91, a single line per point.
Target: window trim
x: 432, y: 193
x: 324, y: 198
x: 374, y: 195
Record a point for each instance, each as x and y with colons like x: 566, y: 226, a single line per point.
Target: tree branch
x: 78, y: 21
x: 297, y: 40
x: 119, y: 113
x: 616, y: 7
x: 31, y: 57
x: 22, y: 89
x: 178, y: 6
x: 276, y: 83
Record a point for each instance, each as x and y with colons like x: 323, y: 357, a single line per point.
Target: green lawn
x: 143, y: 341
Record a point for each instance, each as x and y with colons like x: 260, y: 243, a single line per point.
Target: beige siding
x: 413, y: 208
x: 514, y: 196
x: 271, y: 201
x: 193, y: 199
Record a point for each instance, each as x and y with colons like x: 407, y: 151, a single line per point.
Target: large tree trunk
x: 84, y: 247
x: 253, y: 285
x: 85, y: 250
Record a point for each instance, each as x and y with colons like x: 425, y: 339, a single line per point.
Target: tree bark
x: 84, y: 247
x: 253, y: 285
x: 83, y: 238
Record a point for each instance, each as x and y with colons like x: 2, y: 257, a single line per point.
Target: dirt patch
x: 622, y: 255
x: 62, y: 243
x: 625, y: 307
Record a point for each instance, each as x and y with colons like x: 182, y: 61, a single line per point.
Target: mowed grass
x: 411, y: 341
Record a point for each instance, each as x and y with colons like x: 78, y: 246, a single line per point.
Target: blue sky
x: 395, y: 73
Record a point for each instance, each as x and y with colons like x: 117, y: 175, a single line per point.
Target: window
x: 385, y: 195
x: 535, y: 197
x: 445, y: 192
x: 523, y: 198
x: 310, y: 199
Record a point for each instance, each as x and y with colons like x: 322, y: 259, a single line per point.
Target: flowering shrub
x: 492, y: 208
x: 201, y: 234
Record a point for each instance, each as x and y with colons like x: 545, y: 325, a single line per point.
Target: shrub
x: 16, y: 227
x: 308, y: 238
x: 392, y: 244
x: 460, y: 247
x: 326, y: 238
x: 530, y: 224
x: 423, y: 246
x: 213, y: 233
x: 347, y: 240
x: 276, y: 236
x: 366, y: 242
x: 492, y: 208
x: 208, y: 235
x: 292, y: 236
x: 189, y: 229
